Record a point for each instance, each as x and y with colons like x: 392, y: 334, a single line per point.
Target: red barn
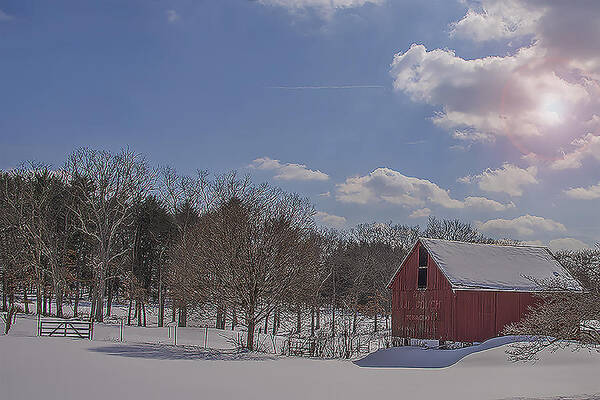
x: 468, y: 292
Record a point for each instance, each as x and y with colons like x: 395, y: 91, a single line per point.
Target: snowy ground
x: 200, y: 329
x: 58, y: 368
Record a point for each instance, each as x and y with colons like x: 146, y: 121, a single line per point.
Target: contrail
x: 327, y: 87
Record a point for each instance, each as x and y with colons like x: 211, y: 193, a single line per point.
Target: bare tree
x: 561, y: 317
x: 109, y: 185
x: 185, y: 198
x: 14, y: 249
x: 255, y: 247
x: 453, y: 229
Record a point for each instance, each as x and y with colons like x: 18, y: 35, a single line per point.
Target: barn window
x: 422, y: 279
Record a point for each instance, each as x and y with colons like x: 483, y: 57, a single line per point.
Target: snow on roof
x: 498, y: 267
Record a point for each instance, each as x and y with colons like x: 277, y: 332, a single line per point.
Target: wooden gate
x: 66, y: 328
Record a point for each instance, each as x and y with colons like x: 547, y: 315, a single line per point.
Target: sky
x: 376, y: 110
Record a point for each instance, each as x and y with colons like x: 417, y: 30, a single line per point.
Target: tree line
x: 109, y: 227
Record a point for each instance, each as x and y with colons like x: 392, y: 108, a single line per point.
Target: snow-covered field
x: 57, y: 368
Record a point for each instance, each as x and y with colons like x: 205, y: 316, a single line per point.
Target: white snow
x: 58, y: 368
x: 485, y: 266
x: 426, y: 357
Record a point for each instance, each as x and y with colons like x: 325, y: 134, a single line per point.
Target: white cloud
x: 389, y: 186
x: 567, y: 244
x: 587, y: 146
x: 588, y: 193
x: 172, y: 15
x: 472, y: 136
x: 566, y: 29
x: 491, y: 96
x: 326, y: 194
x: 541, y: 93
x: 420, y: 213
x: 497, y: 20
x: 487, y: 204
x: 509, y: 179
x: 384, y: 184
x: 525, y: 225
x: 288, y: 171
x: 331, y: 220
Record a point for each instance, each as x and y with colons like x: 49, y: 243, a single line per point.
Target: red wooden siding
x: 438, y: 312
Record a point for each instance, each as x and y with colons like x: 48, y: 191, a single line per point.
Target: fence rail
x: 65, y: 328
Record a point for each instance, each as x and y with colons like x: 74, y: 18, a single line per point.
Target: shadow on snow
x: 167, y: 352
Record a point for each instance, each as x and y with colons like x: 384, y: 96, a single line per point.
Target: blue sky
x: 378, y: 110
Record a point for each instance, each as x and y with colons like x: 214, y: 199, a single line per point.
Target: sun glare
x: 552, y: 109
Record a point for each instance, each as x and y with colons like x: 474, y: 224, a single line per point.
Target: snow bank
x: 422, y: 357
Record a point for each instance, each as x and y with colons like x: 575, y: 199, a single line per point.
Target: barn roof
x: 498, y: 267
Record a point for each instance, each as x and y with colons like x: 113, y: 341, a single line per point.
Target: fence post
x: 39, y: 325
x: 206, y: 337
x: 175, y: 335
x: 121, y: 331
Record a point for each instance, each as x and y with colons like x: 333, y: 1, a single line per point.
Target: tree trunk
x: 99, y: 312
x: 144, y: 311
x: 318, y: 323
x: 77, y: 294
x: 59, y: 303
x: 333, y: 306
x: 312, y: 321
x: 161, y: 301
x: 25, y: 299
x: 50, y: 303
x: 182, y: 323
x: 174, y: 310
x: 233, y: 318
x: 4, y: 299
x: 250, y: 337
x: 138, y: 311
x: 354, y: 318
x: 93, y: 301
x: 38, y: 300
x: 100, y: 293
x: 266, y: 323
x: 109, y: 298
x: 129, y: 311
x: 219, y: 317
x: 375, y: 322
x: 275, y: 321
x: 44, y: 303
x: 298, y: 320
